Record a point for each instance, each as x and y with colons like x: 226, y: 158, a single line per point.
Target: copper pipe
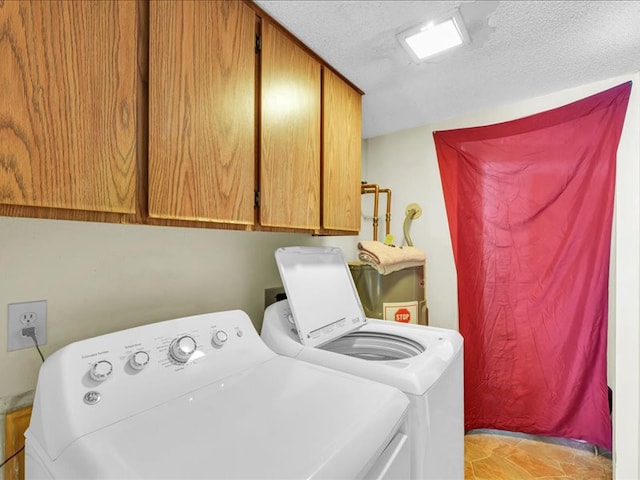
x: 375, y: 189
x: 387, y: 218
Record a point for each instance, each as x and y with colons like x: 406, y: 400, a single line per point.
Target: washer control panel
x: 102, y: 379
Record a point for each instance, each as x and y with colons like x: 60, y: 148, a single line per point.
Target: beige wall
x: 98, y: 278
x: 406, y: 162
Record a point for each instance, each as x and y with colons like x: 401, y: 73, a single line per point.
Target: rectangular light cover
x: 431, y: 40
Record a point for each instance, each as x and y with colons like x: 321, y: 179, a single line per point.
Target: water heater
x: 397, y: 296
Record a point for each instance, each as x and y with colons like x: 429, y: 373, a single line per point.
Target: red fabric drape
x: 530, y: 206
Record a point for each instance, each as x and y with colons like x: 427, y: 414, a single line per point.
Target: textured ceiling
x: 518, y: 50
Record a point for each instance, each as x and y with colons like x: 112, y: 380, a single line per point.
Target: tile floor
x: 500, y: 455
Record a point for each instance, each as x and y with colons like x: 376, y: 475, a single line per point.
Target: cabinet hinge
x: 258, y: 44
x: 256, y: 199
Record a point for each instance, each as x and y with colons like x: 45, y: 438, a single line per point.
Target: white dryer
x: 203, y: 397
x: 322, y: 322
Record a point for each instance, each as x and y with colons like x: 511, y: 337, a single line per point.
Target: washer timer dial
x: 182, y: 348
x: 101, y: 370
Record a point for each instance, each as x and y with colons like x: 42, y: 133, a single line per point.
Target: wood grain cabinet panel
x: 68, y: 109
x: 16, y: 423
x: 202, y: 111
x: 290, y: 134
x: 342, y: 154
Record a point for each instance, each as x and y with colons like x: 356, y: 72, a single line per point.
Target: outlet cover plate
x: 23, y: 315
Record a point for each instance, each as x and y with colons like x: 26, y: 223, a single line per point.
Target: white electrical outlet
x: 26, y: 315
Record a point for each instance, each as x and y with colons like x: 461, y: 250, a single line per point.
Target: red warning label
x: 403, y: 312
x: 402, y: 315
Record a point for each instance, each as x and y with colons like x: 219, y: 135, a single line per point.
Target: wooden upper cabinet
x: 202, y: 76
x: 68, y: 109
x: 290, y: 133
x: 342, y: 154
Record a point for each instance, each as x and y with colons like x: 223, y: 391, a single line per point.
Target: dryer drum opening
x: 375, y: 346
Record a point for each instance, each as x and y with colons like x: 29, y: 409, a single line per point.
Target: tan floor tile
x: 495, y: 457
x: 468, y: 471
x: 494, y: 441
x: 507, y: 450
x: 537, y: 446
x: 550, y: 454
x: 475, y: 451
x: 496, y: 467
x: 535, y: 466
x: 582, y: 471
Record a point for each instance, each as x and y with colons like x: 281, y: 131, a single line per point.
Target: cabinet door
x: 290, y: 134
x: 68, y: 109
x: 342, y: 154
x: 202, y: 111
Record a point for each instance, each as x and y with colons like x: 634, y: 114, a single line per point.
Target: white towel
x: 389, y: 258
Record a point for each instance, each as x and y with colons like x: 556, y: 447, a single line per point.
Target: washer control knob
x: 101, y: 370
x: 182, y: 348
x: 219, y: 338
x: 139, y: 360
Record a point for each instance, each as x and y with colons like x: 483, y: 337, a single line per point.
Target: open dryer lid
x: 322, y: 296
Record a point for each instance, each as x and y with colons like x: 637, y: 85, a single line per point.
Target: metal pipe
x: 387, y: 218
x: 412, y: 212
x: 405, y: 227
x: 375, y: 189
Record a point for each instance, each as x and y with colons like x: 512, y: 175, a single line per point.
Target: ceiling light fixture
x: 425, y: 41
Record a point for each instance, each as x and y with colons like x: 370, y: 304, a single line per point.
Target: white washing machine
x: 203, y: 397
x: 322, y: 322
